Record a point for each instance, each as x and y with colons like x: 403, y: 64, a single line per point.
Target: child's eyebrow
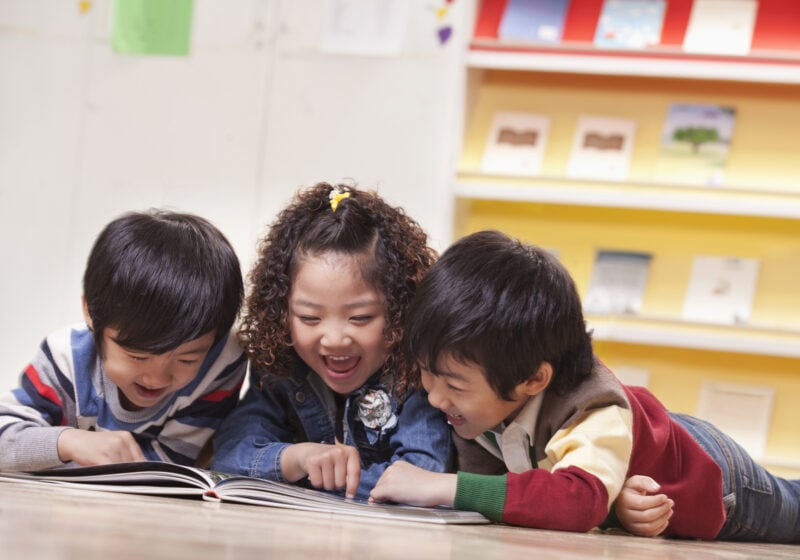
x: 349, y: 305
x: 453, y: 375
x: 196, y: 350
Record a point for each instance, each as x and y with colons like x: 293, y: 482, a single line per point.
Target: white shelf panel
x: 681, y: 334
x: 735, y: 68
x: 711, y: 200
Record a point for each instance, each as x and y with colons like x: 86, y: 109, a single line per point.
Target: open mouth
x: 341, y: 366
x: 455, y: 419
x: 147, y: 393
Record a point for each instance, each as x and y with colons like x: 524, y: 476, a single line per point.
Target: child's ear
x: 86, y: 316
x: 537, y: 382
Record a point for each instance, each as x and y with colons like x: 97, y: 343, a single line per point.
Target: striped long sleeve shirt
x: 65, y: 386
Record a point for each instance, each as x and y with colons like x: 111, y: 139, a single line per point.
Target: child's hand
x: 408, y: 484
x: 642, y: 514
x: 98, y: 448
x: 331, y: 467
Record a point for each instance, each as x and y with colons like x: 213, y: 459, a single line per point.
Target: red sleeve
x: 568, y: 499
x: 666, y: 452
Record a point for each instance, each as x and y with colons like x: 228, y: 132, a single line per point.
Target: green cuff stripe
x: 483, y: 493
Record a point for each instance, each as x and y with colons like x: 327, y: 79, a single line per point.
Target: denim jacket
x: 276, y: 413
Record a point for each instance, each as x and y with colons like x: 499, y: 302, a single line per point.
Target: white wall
x: 255, y: 111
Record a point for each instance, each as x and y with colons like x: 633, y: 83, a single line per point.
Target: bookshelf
x: 754, y: 213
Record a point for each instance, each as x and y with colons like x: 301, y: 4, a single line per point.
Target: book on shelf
x: 742, y: 411
x: 533, y: 21
x: 618, y: 282
x: 601, y: 148
x: 695, y: 142
x: 166, y: 479
x: 630, y: 24
x: 516, y: 143
x: 720, y: 27
x: 721, y: 289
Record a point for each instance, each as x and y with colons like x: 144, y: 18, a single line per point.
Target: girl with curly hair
x: 331, y: 400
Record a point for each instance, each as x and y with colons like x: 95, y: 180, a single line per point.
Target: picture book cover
x: 720, y: 27
x: 618, y: 282
x: 516, y: 143
x: 721, y: 290
x: 695, y: 142
x: 630, y: 24
x: 601, y: 148
x: 533, y: 21
x: 167, y: 479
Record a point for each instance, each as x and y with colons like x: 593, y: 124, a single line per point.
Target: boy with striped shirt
x: 154, y: 369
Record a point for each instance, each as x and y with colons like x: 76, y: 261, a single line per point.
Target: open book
x: 166, y: 479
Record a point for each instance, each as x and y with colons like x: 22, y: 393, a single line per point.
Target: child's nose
x: 335, y: 338
x: 435, y: 397
x: 158, y: 375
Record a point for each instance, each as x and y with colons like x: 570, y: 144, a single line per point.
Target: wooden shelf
x: 743, y: 339
x: 650, y: 196
x: 648, y: 64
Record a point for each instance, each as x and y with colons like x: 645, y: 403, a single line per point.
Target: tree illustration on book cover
x: 695, y: 144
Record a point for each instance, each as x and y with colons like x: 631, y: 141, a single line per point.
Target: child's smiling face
x: 144, y: 379
x: 337, y: 321
x: 472, y: 406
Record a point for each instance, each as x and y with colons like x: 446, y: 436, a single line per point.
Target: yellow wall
x: 764, y: 154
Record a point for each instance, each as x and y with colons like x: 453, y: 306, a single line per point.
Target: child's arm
x: 422, y: 438
x: 98, y: 448
x: 33, y: 415
x: 640, y: 511
x: 407, y: 484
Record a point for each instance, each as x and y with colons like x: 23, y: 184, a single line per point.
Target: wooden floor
x: 39, y: 523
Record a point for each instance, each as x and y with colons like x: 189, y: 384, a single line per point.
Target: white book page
x: 601, y: 148
x: 721, y: 27
x: 516, y: 143
x: 721, y: 290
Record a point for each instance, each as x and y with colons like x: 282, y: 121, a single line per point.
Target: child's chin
x: 466, y: 432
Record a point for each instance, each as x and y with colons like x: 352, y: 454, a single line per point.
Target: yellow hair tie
x: 336, y: 197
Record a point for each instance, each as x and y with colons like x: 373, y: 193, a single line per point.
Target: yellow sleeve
x: 600, y: 443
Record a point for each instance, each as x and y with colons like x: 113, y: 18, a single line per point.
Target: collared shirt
x: 514, y: 443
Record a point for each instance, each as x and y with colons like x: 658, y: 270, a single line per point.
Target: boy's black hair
x: 505, y: 306
x: 161, y: 278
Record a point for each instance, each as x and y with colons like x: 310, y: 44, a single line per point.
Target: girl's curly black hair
x: 363, y: 224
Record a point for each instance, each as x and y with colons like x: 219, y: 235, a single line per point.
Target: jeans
x: 759, y: 506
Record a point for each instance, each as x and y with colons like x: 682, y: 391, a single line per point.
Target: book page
x: 630, y: 24
x: 721, y: 290
x: 167, y: 479
x: 720, y: 27
x: 516, y: 144
x: 695, y: 142
x: 601, y: 148
x: 618, y: 282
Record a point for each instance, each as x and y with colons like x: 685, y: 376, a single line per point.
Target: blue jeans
x: 759, y: 506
